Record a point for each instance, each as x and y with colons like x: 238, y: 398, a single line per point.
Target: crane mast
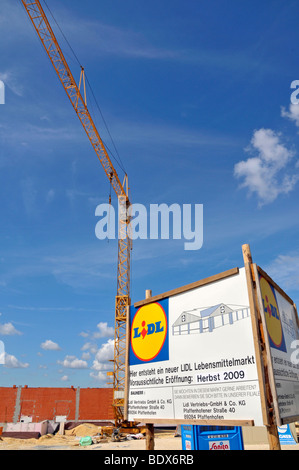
x: 73, y: 91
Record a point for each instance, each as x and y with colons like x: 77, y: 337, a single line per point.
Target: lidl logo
x: 272, y: 315
x: 149, y: 333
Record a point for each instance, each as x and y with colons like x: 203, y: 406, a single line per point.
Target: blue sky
x: 197, y: 98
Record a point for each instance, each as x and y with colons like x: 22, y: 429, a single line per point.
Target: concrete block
x: 41, y: 428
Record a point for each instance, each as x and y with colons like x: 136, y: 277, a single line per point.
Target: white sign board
x: 192, y: 356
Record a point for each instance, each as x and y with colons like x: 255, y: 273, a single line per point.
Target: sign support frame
x: 262, y: 357
x: 150, y: 430
x: 259, y: 271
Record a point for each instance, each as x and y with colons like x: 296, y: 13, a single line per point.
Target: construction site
x: 205, y: 365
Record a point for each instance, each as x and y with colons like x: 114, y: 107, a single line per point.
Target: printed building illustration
x: 206, y: 320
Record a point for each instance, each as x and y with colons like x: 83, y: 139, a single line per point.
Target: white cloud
x: 106, y: 352
x: 7, y: 329
x: 72, y: 362
x: 267, y: 173
x: 84, y: 334
x: 12, y: 362
x: 100, y: 376
x: 101, y: 366
x: 103, y: 356
x: 86, y: 356
x: 292, y: 114
x: 64, y: 378
x: 104, y: 330
x: 49, y: 345
x: 101, y: 362
x: 10, y: 80
x: 92, y: 347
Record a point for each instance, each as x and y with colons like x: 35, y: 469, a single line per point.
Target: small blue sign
x: 212, y: 437
x: 285, y: 435
x: 219, y: 438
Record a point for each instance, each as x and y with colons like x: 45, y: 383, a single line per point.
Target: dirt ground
x: 164, y: 440
x: 71, y: 441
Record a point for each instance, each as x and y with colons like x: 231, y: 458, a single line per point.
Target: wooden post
x: 61, y: 428
x: 150, y: 437
x: 127, y: 375
x: 260, y: 348
x: 148, y: 294
x: 296, y: 314
x: 150, y: 432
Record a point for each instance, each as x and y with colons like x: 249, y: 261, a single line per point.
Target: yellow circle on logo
x: 149, y: 330
x: 271, y: 312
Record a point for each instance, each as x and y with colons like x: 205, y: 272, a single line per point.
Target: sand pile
x: 86, y: 429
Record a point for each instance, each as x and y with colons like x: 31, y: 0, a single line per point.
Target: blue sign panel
x: 212, y: 438
x: 219, y: 438
x: 285, y: 435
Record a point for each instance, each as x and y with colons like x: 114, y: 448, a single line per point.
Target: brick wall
x: 89, y: 404
x: 94, y: 402
x: 7, y: 404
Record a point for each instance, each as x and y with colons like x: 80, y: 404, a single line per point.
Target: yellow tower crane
x: 73, y: 91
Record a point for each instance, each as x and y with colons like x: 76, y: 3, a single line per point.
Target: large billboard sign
x: 192, y: 355
x: 195, y: 354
